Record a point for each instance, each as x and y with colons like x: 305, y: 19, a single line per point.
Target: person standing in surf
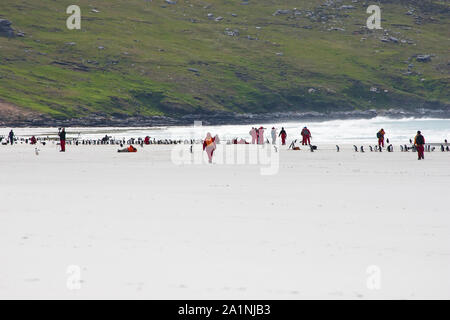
x: 419, y: 142
x: 380, y: 136
x: 283, y: 136
x: 62, y: 139
x: 209, y: 145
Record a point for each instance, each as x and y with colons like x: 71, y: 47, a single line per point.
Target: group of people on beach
x: 257, y: 136
x: 419, y: 142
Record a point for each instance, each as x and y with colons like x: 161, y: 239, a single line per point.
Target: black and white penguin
x: 401, y: 148
x: 371, y: 149
x: 337, y: 148
x: 292, y: 144
x: 356, y: 148
x: 362, y: 149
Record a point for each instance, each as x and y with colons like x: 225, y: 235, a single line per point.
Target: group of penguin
x: 390, y: 148
x: 103, y: 141
x: 140, y: 141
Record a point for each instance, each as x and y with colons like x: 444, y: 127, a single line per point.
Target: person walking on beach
x: 11, y: 137
x: 380, y: 136
x: 274, y: 135
x: 306, y: 134
x: 209, y: 145
x: 419, y: 142
x: 253, y: 134
x: 261, y: 135
x: 283, y: 136
x: 62, y: 139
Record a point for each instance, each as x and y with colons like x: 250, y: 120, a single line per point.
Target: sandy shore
x: 92, y: 223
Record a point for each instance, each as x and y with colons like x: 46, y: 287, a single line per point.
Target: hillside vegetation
x: 153, y: 58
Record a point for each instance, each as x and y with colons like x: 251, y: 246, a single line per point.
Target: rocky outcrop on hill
x: 5, y: 28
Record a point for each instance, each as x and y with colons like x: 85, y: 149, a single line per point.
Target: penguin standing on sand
x: 401, y: 148
x: 337, y: 148
x: 371, y: 149
x: 356, y: 148
x: 362, y: 149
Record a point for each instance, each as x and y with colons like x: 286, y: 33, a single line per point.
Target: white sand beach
x: 92, y: 223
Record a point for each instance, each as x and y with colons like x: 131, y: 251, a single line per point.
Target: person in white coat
x: 274, y: 135
x: 253, y: 134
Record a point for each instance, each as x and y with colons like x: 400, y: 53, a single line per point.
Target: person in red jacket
x: 33, y: 140
x: 209, y: 145
x: 283, y: 136
x: 130, y: 148
x: 419, y: 142
x: 380, y: 136
x: 306, y: 134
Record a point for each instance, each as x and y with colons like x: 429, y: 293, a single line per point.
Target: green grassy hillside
x: 146, y: 58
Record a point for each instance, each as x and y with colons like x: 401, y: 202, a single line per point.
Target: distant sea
x: 335, y: 131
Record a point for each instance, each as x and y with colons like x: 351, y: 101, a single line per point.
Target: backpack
x: 379, y: 135
x: 420, y: 140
